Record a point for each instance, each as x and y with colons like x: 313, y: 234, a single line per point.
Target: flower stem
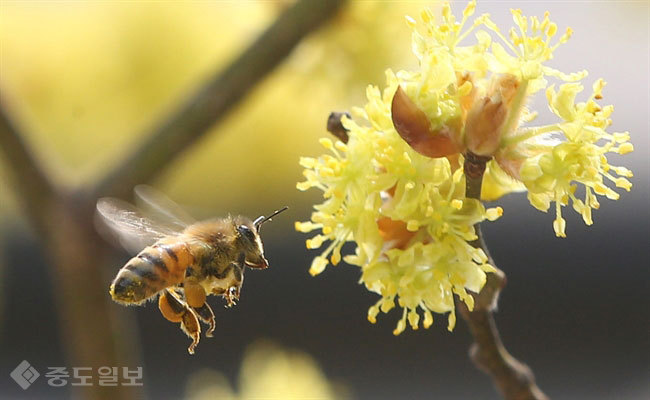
x: 512, y: 378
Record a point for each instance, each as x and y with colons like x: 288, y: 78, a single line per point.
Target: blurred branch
x: 27, y: 178
x: 221, y: 93
x: 514, y: 379
x: 64, y: 226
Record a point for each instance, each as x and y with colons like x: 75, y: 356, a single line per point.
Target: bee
x: 179, y: 260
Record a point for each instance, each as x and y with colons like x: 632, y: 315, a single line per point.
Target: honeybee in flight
x: 183, y: 261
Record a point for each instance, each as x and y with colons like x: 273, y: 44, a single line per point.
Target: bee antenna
x: 259, y: 221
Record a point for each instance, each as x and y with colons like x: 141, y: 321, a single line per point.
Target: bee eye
x: 246, y: 232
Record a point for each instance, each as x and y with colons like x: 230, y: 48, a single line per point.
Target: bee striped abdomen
x: 152, y: 270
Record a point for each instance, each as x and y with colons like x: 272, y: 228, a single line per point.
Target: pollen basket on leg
x: 170, y: 307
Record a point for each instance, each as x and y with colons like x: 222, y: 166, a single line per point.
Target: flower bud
x: 414, y: 127
x: 488, y: 116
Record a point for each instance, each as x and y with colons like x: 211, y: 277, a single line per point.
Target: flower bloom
x: 407, y: 213
x: 473, y: 98
x: 396, y: 188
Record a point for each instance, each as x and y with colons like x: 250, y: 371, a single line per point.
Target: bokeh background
x: 83, y: 80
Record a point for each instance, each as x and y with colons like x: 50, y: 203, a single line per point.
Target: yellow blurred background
x: 85, y: 80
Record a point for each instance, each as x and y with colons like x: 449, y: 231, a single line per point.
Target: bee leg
x: 170, y: 307
x: 232, y: 293
x: 190, y: 325
x: 232, y: 296
x: 206, y: 315
x: 175, y: 310
x: 194, y: 292
x: 195, y: 297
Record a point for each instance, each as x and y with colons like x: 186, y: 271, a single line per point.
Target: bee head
x: 249, y: 233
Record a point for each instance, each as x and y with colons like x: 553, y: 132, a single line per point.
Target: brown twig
x: 513, y: 379
x: 212, y: 102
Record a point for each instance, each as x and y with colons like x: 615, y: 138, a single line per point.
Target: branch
x: 65, y: 229
x: 221, y: 93
x: 513, y: 378
x: 29, y: 181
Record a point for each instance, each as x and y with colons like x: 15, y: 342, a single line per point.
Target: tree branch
x: 66, y: 231
x: 27, y: 178
x: 212, y: 102
x: 514, y: 379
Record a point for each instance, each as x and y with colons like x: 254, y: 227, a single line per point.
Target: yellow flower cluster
x: 407, y: 213
x: 552, y: 169
x: 397, y: 190
x: 476, y: 96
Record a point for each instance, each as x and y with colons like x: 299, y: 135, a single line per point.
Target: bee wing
x: 162, y: 206
x: 133, y: 230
